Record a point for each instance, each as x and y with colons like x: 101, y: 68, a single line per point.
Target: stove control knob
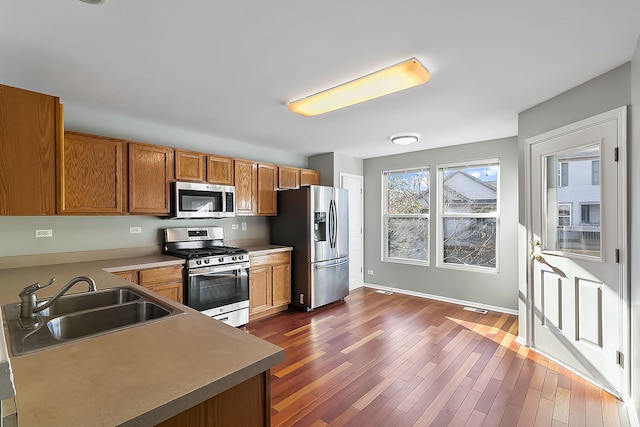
x: 234, y: 258
x: 221, y: 259
x: 240, y: 257
x: 198, y: 262
x: 206, y: 261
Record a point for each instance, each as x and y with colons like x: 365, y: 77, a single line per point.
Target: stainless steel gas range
x: 216, y: 277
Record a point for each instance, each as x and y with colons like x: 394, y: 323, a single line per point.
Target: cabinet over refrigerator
x: 314, y: 220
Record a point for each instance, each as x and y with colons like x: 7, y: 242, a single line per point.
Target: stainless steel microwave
x: 197, y: 200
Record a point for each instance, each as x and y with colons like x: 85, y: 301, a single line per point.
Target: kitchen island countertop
x: 136, y: 376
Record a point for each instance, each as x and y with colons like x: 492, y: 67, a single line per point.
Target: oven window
x: 218, y: 289
x: 200, y: 201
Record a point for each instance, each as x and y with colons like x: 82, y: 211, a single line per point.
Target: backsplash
x: 89, y: 233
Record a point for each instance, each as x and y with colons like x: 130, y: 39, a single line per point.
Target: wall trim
x: 443, y: 299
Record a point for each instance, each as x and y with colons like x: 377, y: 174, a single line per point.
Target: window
x: 406, y: 215
x: 563, y: 174
x: 564, y: 214
x: 595, y: 172
x: 590, y: 213
x: 469, y: 208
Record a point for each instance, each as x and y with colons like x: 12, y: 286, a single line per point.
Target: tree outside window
x: 406, y: 215
x: 469, y: 209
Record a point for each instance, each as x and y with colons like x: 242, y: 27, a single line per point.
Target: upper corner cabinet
x: 30, y: 125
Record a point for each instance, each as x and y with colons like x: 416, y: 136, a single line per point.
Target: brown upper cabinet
x: 200, y: 167
x: 190, y: 166
x: 30, y: 124
x: 288, y: 178
x: 267, y: 186
x: 220, y: 170
x: 150, y: 172
x: 91, y: 174
x: 256, y: 185
x: 246, y: 177
x: 309, y: 177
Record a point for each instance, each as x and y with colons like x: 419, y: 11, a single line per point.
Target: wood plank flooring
x: 397, y: 360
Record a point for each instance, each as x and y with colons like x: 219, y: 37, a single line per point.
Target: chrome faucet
x: 28, y: 308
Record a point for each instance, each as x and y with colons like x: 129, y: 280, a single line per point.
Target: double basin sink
x: 84, y: 315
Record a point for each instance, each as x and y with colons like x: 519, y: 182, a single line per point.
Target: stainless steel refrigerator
x: 314, y: 220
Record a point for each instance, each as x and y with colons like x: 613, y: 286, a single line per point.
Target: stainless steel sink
x: 92, y: 322
x: 84, y: 315
x: 88, y: 300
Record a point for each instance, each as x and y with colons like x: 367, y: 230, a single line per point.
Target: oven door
x: 216, y: 287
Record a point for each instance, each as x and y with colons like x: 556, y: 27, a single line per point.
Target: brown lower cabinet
x: 167, y: 281
x: 269, y: 284
x: 247, y: 404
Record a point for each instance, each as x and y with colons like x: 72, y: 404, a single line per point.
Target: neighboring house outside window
x: 468, y: 204
x: 563, y: 174
x: 595, y: 172
x: 406, y: 216
x: 564, y: 214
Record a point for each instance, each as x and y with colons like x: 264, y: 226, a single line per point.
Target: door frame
x: 620, y: 116
x: 361, y: 179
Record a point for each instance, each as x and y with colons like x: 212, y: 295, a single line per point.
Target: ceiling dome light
x: 404, y: 138
x: 93, y: 1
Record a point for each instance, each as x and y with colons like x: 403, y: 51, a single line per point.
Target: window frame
x: 563, y: 174
x: 385, y: 216
x: 442, y: 216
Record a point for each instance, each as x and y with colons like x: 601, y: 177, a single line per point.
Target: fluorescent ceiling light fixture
x: 404, y: 138
x: 392, y: 79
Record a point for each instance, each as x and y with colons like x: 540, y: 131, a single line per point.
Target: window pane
x: 574, y: 230
x: 408, y: 192
x: 407, y: 238
x: 470, y: 189
x: 470, y: 241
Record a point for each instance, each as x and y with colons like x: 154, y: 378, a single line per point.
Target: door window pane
x: 568, y: 231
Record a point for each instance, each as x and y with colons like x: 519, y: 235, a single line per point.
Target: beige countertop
x: 136, y: 376
x: 257, y: 250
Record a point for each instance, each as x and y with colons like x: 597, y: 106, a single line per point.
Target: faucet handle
x: 32, y: 288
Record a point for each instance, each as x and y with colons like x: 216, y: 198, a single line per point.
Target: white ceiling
x: 228, y: 69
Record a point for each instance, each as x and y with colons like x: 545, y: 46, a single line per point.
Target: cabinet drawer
x: 156, y: 276
x: 273, y: 259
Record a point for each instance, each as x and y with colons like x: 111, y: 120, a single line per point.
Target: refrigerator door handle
x: 332, y: 224
x: 318, y: 267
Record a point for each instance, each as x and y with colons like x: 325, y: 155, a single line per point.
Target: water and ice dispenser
x: 319, y: 226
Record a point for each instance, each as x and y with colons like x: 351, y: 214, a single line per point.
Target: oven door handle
x: 200, y: 271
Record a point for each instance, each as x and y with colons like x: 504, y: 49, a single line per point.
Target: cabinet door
x: 30, y: 124
x: 173, y: 291
x: 190, y: 166
x: 281, y: 284
x: 246, y: 186
x: 309, y: 177
x: 288, y: 178
x: 150, y: 171
x: 259, y: 289
x: 267, y: 185
x: 90, y: 175
x: 130, y: 275
x: 220, y: 170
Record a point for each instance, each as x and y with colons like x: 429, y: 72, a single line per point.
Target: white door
x: 576, y: 203
x: 353, y: 183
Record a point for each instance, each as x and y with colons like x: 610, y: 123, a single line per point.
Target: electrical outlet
x: 301, y: 298
x: 234, y: 226
x: 244, y: 226
x: 135, y: 230
x: 369, y: 271
x: 44, y: 233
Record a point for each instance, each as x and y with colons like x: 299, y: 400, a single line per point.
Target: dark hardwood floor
x: 397, y: 360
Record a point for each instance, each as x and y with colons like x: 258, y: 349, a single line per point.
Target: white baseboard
x: 443, y: 299
x: 633, y: 414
